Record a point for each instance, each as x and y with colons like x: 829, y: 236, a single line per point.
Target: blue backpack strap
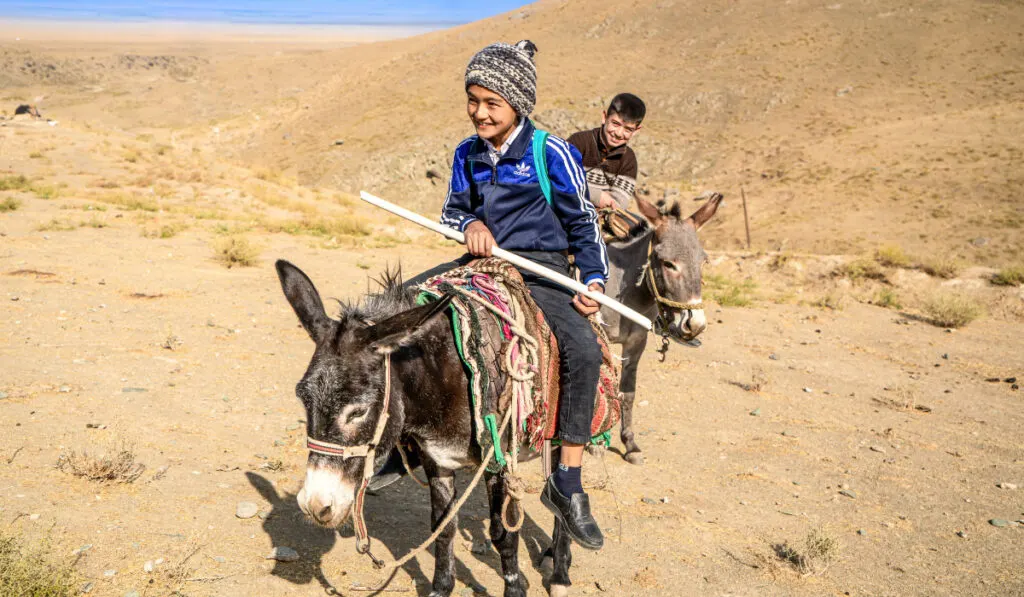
x: 540, y: 163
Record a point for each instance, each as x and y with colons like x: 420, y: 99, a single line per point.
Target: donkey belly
x: 448, y: 454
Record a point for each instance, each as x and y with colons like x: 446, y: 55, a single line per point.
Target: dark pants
x: 579, y: 352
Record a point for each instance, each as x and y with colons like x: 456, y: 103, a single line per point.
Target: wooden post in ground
x: 746, y: 217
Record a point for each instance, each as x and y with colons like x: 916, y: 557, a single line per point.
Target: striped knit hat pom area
x: 509, y: 71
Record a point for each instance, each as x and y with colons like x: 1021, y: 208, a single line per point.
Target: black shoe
x: 574, y: 514
x: 392, y: 470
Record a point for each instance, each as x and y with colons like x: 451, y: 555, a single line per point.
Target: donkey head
x: 675, y: 265
x: 343, y: 387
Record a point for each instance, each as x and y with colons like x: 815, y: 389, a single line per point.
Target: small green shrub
x: 14, y: 183
x: 728, y: 292
x: 950, y: 310
x: 56, y: 225
x: 860, y: 269
x: 892, y: 256
x: 33, y: 571
x: 9, y: 204
x: 1009, y: 276
x: 36, y: 155
x: 942, y: 267
x: 236, y: 251
x: 834, y: 300
x: 888, y: 298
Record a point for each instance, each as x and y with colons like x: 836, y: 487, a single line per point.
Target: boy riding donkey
x: 496, y: 199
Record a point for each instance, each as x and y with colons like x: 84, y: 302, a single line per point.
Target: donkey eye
x: 670, y: 265
x: 356, y: 414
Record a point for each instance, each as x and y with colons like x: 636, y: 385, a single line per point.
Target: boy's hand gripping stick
x: 512, y: 258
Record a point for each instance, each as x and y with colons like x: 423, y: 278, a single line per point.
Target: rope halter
x: 365, y: 451
x: 662, y: 321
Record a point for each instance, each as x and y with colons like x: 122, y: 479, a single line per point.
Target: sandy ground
x: 811, y: 409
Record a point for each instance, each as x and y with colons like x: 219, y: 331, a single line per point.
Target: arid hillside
x: 849, y: 125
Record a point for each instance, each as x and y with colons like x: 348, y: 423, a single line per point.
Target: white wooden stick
x: 512, y: 258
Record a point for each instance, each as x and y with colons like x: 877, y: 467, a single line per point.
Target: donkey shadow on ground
x: 399, y: 520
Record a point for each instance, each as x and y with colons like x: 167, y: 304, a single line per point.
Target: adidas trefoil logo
x: 522, y: 169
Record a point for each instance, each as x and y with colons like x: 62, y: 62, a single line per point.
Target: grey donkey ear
x: 527, y: 46
x: 400, y: 330
x: 706, y: 211
x: 304, y: 299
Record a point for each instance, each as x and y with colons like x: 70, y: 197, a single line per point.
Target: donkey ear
x: 706, y: 211
x: 304, y: 299
x: 650, y: 211
x: 400, y: 330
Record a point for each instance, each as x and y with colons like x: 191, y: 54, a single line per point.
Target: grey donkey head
x: 677, y: 258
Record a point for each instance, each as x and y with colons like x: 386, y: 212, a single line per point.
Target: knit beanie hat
x: 508, y: 71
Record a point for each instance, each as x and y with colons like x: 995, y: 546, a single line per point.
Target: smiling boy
x: 496, y: 199
x: 610, y: 163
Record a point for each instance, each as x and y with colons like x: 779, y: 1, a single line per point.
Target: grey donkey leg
x: 627, y: 385
x: 442, y: 497
x: 561, y: 550
x: 506, y: 543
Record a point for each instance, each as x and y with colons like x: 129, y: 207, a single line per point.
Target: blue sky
x: 404, y: 12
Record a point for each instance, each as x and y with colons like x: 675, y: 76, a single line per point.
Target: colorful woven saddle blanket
x: 510, y: 354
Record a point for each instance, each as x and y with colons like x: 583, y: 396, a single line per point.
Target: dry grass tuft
x: 56, y: 225
x: 323, y: 227
x: 32, y: 571
x: 942, y: 267
x: 129, y: 202
x: 860, y: 269
x: 236, y: 251
x: 888, y: 299
x: 15, y: 183
x: 892, y: 256
x: 113, y: 465
x: 728, y: 292
x: 951, y: 310
x: 819, y: 551
x: 164, y: 230
x: 9, y: 204
x: 1008, y: 276
x: 834, y: 300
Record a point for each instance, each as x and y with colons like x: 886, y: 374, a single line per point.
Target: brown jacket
x: 612, y: 171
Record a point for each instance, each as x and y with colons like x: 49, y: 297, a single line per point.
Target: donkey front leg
x: 632, y: 350
x: 561, y: 550
x: 506, y: 543
x: 442, y: 497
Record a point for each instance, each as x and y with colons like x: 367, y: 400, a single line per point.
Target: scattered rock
x: 878, y: 449
x: 3, y: 395
x: 808, y: 390
x: 862, y: 532
x: 643, y: 403
x: 773, y: 356
x: 1010, y: 380
x: 132, y: 593
x: 133, y: 390
x: 756, y: 412
x: 339, y: 142
x: 845, y: 90
x: 64, y: 389
x: 848, y: 493
x: 650, y: 501
x: 82, y: 549
x: 665, y: 500
x: 999, y: 522
x: 33, y: 517
x: 283, y: 554
x: 981, y: 241
x: 220, y: 559
x: 961, y: 534
x: 109, y: 573
x: 292, y: 427
x: 992, y: 379
x: 87, y: 588
x: 1010, y: 486
x: 95, y: 426
x: 147, y: 567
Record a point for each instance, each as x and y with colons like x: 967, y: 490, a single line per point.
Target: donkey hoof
x: 546, y: 565
x: 558, y: 591
x: 636, y: 458
x: 596, y: 450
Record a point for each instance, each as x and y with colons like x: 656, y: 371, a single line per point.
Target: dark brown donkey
x: 656, y: 271
x: 343, y: 392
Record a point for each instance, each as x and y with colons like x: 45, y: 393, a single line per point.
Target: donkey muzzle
x: 686, y: 325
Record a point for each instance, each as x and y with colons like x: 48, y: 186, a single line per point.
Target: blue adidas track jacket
x: 507, y: 198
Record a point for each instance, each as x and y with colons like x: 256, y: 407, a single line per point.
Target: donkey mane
x: 391, y: 300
